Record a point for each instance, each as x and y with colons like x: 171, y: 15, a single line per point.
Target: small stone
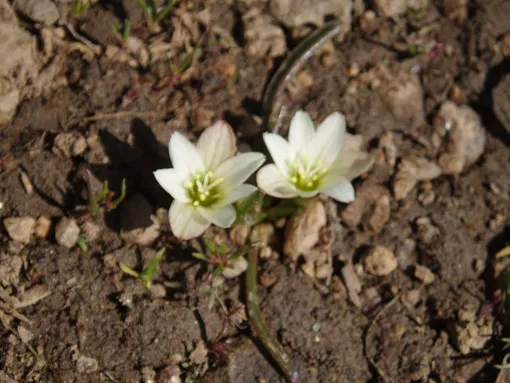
x: 427, y: 197
x: 86, y: 365
x: 405, y: 252
x: 71, y: 144
x: 352, y: 283
x: 390, y: 8
x: 280, y: 223
x: 354, y: 69
x: 305, y: 79
x: 381, y: 214
x: 387, y: 144
x: 451, y: 163
x: 67, y: 232
x: 426, y: 231
x: 380, y: 261
x: 302, y: 232
x: 309, y: 269
x: 42, y: 227
x: 27, y: 184
x: 20, y: 228
x: 225, y: 67
x: 25, y: 335
x: 424, y: 274
x: 91, y: 230
x: 263, y: 233
x: 199, y: 355
x: 240, y: 265
x: 268, y: 279
x: 411, y: 298
x: 266, y: 252
x: 410, y: 171
x: 263, y: 38
x: 465, y: 135
x: 323, y: 271
x: 239, y: 233
x: 158, y: 290
x: 328, y: 60
x: 40, y: 11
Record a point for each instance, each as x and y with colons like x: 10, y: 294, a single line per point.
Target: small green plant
x: 80, y: 7
x: 147, y: 273
x: 104, y: 199
x: 123, y: 33
x: 218, y: 257
x: 82, y: 243
x: 153, y: 13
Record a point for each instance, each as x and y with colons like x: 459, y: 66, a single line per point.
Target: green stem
x: 257, y: 322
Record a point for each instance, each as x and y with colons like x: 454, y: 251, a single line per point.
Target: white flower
x: 206, y: 179
x: 312, y: 161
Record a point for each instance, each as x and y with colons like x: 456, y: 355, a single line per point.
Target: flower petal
x: 185, y: 221
x: 184, y: 155
x: 301, y: 131
x: 172, y: 181
x: 352, y: 164
x: 342, y: 191
x: 279, y: 149
x: 216, y: 144
x: 271, y: 180
x: 237, y: 193
x: 328, y: 140
x: 237, y: 169
x: 222, y: 216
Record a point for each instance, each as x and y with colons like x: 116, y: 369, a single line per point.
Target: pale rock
x: 387, y: 144
x: 380, y: 261
x: 42, y: 227
x: 266, y: 252
x: 405, y: 252
x: 309, y: 269
x: 302, y: 232
x: 424, y: 274
x: 240, y: 265
x: 410, y: 171
x: 465, y: 135
x: 263, y: 233
x: 426, y: 231
x: 263, y: 38
x: 296, y: 13
x: 352, y: 283
x: 67, y: 232
x: 40, y: 11
x: 91, y: 230
x: 20, y: 228
x: 374, y: 198
x: 10, y: 269
x: 86, y: 365
x: 323, y: 271
x: 70, y: 144
x: 239, y: 233
x: 25, y: 335
x: 9, y: 100
x: 381, y: 213
x: 390, y: 8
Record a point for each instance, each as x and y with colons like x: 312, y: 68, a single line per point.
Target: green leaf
x: 151, y: 267
x: 82, y: 243
x: 186, y: 62
x: 163, y: 11
x: 117, y: 201
x: 210, y: 246
x: 222, y: 249
x: 200, y: 256
x: 127, y: 31
x: 128, y: 270
x: 245, y: 205
x: 144, y: 6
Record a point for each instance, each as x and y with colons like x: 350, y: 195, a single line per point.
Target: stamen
x: 294, y: 180
x: 189, y: 185
x: 196, y: 203
x: 202, y: 197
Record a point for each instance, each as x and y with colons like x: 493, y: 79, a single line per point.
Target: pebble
x: 263, y: 233
x: 240, y: 265
x: 239, y: 233
x: 40, y: 11
x: 309, y: 269
x: 71, y: 144
x: 86, y: 365
x: 405, y: 252
x: 424, y: 274
x: 323, y: 271
x: 262, y: 37
x: 390, y: 8
x: 266, y: 252
x: 380, y: 261
x: 20, y: 228
x: 354, y: 69
x: 302, y: 232
x: 67, y: 232
x: 352, y: 283
x: 426, y: 231
x: 42, y: 227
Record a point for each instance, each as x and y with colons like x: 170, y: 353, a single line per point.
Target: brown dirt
x: 327, y: 337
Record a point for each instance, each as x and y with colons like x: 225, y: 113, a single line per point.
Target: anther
x: 196, y: 203
x: 202, y: 197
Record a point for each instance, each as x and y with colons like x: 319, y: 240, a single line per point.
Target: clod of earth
x: 380, y: 261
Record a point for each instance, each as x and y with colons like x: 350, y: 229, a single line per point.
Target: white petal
x: 328, y: 140
x: 301, y: 131
x: 342, y: 191
x: 216, y: 144
x: 222, y: 216
x: 279, y: 149
x: 352, y: 164
x: 172, y: 181
x: 185, y: 221
x: 184, y: 155
x: 237, y: 169
x: 237, y: 193
x: 271, y: 180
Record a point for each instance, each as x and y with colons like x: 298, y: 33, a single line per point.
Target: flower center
x: 203, y: 189
x: 304, y: 174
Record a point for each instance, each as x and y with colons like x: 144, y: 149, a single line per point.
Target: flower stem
x: 257, y: 323
x: 271, y: 105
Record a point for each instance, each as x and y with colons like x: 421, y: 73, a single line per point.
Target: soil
x: 98, y: 324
